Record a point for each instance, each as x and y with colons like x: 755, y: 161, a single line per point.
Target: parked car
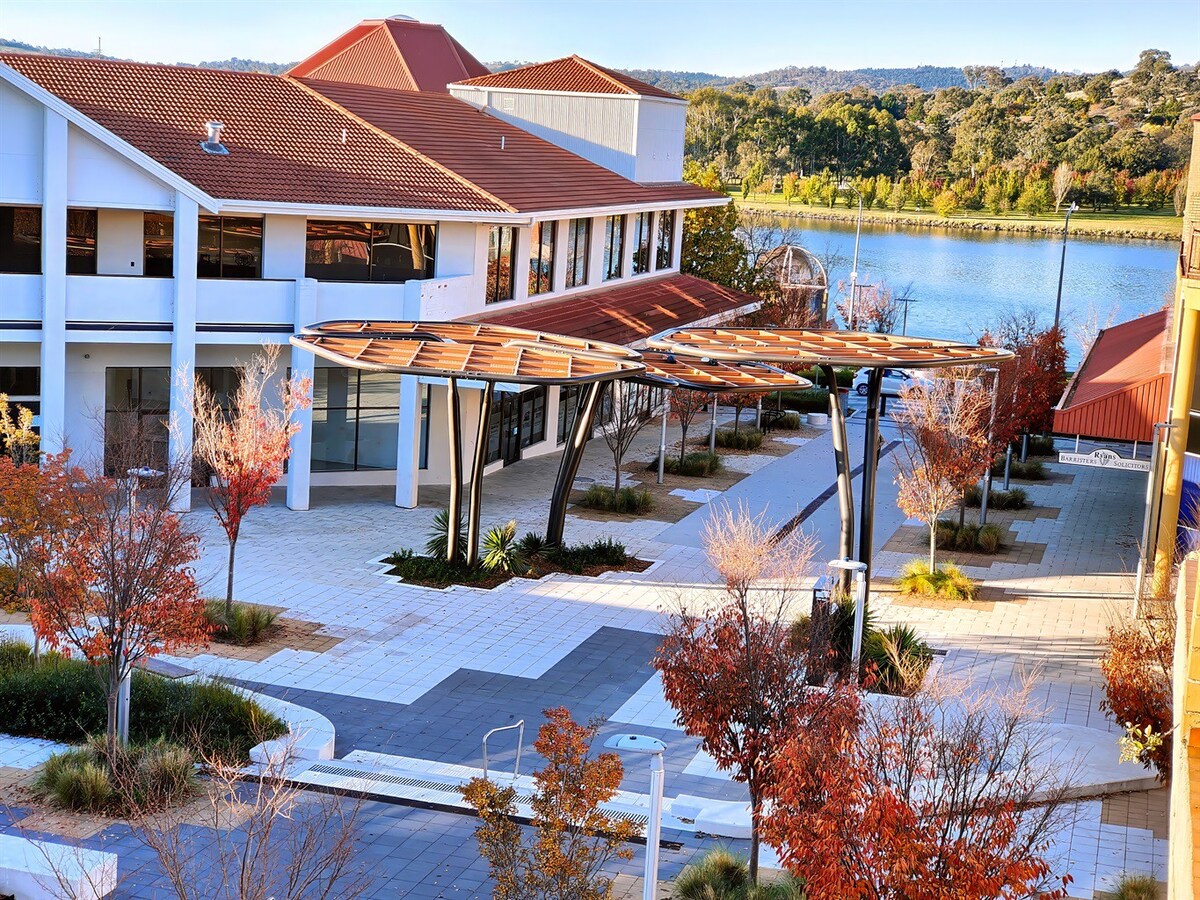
x: 894, y: 381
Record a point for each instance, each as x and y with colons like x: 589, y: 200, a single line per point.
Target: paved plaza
x: 421, y: 673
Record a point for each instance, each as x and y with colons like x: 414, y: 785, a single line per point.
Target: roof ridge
x: 605, y: 73
x: 488, y: 195
x: 135, y: 62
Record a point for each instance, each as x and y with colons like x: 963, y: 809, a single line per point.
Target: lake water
x: 962, y: 281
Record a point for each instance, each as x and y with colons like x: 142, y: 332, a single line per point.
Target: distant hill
x: 818, y: 79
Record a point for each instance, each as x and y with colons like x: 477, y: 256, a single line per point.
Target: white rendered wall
x: 119, y: 235
x: 659, y: 148
x: 20, y: 147
x: 283, y: 247
x: 98, y: 176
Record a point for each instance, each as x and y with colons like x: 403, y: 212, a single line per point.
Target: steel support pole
x: 870, y: 475
x: 654, y: 827
x: 454, y: 432
x: 841, y: 458
x: 475, y: 501
x: 1008, y: 462
x: 568, y: 466
x: 662, y: 444
x: 987, y: 472
x: 712, y: 427
x: 1148, y: 516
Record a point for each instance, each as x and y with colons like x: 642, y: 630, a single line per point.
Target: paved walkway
x: 423, y: 673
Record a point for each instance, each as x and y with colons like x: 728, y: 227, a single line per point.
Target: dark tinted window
x: 641, y: 243
x: 230, y: 247
x: 666, y: 239
x: 579, y: 233
x: 500, y: 264
x: 158, y: 244
x: 541, y: 257
x: 362, y: 251
x: 21, y: 239
x: 614, y: 246
x: 81, y: 242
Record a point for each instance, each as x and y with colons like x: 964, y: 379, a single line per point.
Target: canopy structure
x: 665, y: 369
x: 826, y: 350
x: 481, y: 353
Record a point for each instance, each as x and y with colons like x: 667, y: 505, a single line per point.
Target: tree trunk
x: 110, y: 700
x: 932, y: 545
x: 229, y: 581
x: 616, y: 477
x: 962, y: 510
x: 737, y: 415
x: 682, y: 449
x: 754, y: 844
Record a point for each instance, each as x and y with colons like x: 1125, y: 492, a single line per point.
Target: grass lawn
x: 1135, y: 220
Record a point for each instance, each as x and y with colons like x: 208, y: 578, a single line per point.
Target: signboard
x: 1104, y: 459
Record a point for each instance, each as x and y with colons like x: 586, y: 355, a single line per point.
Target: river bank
x: 1121, y: 226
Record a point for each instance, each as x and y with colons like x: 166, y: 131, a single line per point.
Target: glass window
x: 356, y: 419
x: 666, y: 239
x: 21, y: 239
x: 424, y: 450
x: 365, y: 251
x: 158, y: 244
x: 614, y: 246
x: 230, y: 247
x: 568, y: 408
x: 541, y: 257
x: 641, y: 243
x: 533, y: 416
x: 500, y: 264
x: 579, y: 244
x: 81, y: 242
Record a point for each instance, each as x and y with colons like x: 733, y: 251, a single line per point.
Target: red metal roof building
x: 572, y: 74
x: 1122, y: 385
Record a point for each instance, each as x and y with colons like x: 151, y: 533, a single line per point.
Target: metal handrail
x: 520, y: 726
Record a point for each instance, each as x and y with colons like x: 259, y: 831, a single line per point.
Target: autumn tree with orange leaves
x: 120, y: 588
x: 944, y: 423
x: 685, y: 407
x: 1030, y: 384
x: 575, y: 839
x: 33, y: 523
x: 730, y: 666
x: 936, y: 795
x: 741, y: 400
x: 241, y: 450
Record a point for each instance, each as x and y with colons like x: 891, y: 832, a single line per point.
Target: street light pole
x: 987, y: 472
x: 859, y: 569
x: 905, y: 301
x: 846, y: 185
x: 1062, y: 263
x: 640, y: 743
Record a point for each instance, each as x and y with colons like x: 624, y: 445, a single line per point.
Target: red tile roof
x: 399, y: 54
x: 571, y: 73
x: 529, y: 174
x: 1121, y: 387
x: 286, y: 142
x: 629, y: 312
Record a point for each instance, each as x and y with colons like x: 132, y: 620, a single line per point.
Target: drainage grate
x: 404, y: 780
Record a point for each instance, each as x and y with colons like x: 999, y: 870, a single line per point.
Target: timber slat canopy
x: 472, y: 333
x: 716, y: 376
x: 818, y: 347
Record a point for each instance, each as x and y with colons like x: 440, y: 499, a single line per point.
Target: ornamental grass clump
x: 243, y: 623
x: 742, y: 439
x: 628, y: 500
x: 948, y: 582
x: 700, y: 464
x: 135, y: 778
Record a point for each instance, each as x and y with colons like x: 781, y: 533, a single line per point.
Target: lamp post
x: 1062, y: 263
x: 847, y: 186
x: 987, y: 472
x: 905, y: 301
x: 846, y: 564
x: 640, y: 743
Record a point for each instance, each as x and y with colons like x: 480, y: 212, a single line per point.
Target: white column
x: 54, y: 284
x: 299, y: 474
x: 677, y: 240
x: 522, y: 241
x: 596, y: 255
x: 627, y: 246
x: 408, y: 436
x: 183, y: 337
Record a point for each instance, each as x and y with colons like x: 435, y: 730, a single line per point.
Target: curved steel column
x: 572, y: 455
x: 870, y: 473
x: 841, y: 457
x: 454, y: 433
x: 475, y: 501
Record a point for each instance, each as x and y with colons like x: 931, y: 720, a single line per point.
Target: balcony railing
x: 233, y: 301
x: 21, y: 299
x: 120, y: 298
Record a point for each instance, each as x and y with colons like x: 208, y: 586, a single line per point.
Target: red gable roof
x: 286, y: 141
x: 1121, y: 387
x: 571, y: 73
x: 523, y: 171
x: 400, y: 54
x: 629, y: 312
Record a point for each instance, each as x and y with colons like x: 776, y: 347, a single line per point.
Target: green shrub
x: 1033, y: 470
x: 1013, y: 499
x: 988, y: 539
x: 1136, y: 887
x: 244, y: 624
x: 900, y: 658
x: 438, y: 536
x: 948, y: 582
x: 966, y: 537
x: 790, y: 421
x: 717, y: 874
x: 137, y: 777
x: 841, y: 628
x: 435, y: 571
x: 813, y: 400
x: 1042, y: 445
x: 501, y: 550
x: 534, y: 547
x: 14, y: 656
x: 83, y: 786
x: 576, y: 558
x: 630, y: 500
x: 945, y: 535
x: 164, y: 772
x: 695, y: 465
x: 742, y: 439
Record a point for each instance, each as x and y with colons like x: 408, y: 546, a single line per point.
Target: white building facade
x: 122, y: 265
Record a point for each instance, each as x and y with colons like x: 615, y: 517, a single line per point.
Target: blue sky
x: 729, y: 38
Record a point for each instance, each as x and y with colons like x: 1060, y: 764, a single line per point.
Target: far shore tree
x: 627, y: 417
x: 685, y: 406
x: 241, y: 449
x: 944, y: 449
x: 121, y: 587
x: 730, y: 665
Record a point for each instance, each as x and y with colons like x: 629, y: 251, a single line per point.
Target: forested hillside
x: 1105, y: 140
